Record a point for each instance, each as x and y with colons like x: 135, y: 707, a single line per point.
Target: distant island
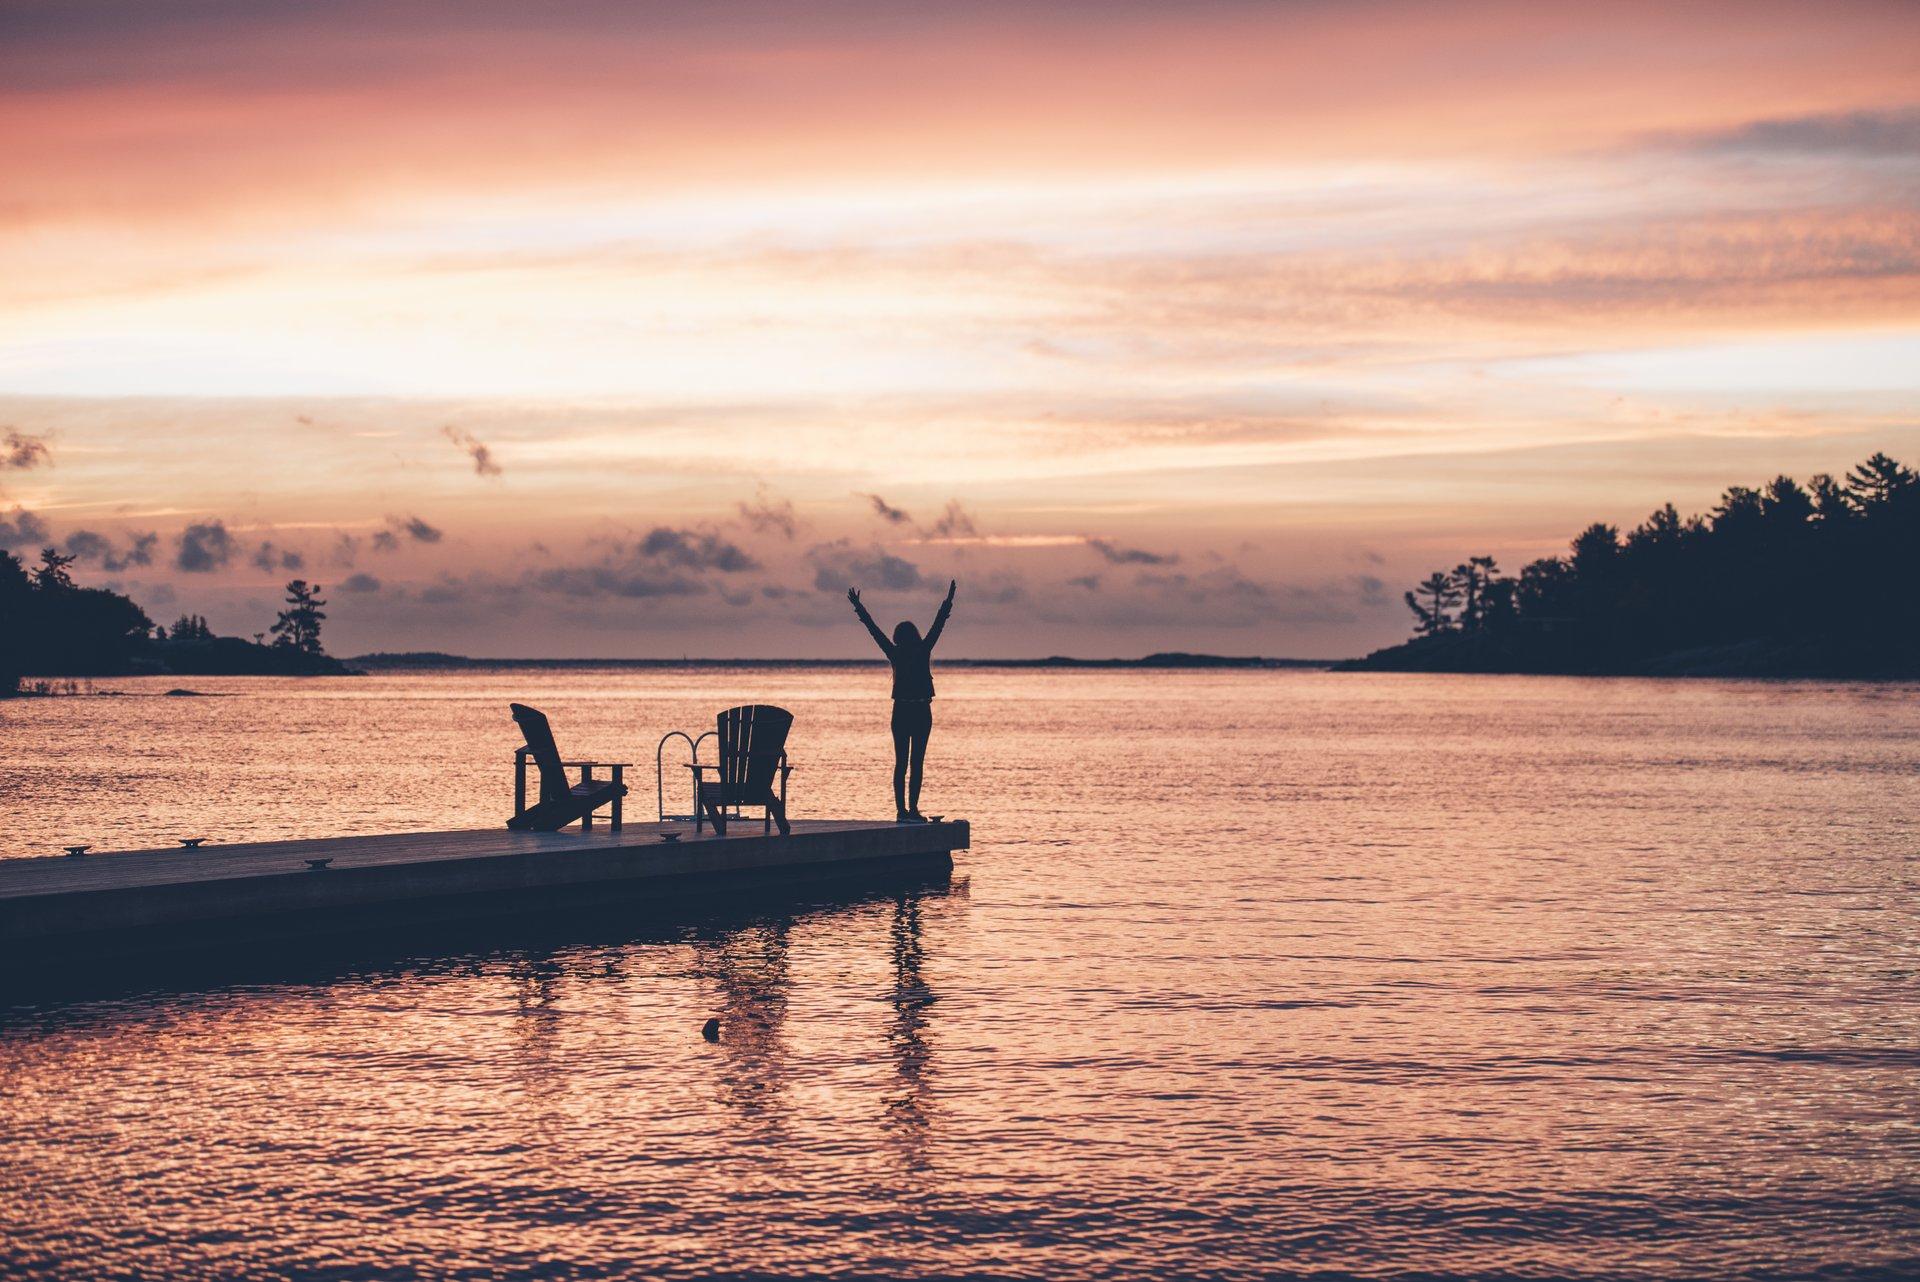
x: 428, y: 659
x: 52, y: 627
x: 1780, y: 581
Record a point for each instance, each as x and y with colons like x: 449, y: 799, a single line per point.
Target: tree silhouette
x: 51, y: 626
x: 1878, y: 482
x: 16, y: 601
x: 191, y: 627
x: 1470, y: 581
x: 298, y: 627
x: 52, y: 575
x: 1827, y: 567
x: 1440, y: 595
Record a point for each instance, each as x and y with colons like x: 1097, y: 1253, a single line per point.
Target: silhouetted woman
x: 911, y: 657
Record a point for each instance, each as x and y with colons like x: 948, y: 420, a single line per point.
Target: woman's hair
x: 904, y: 633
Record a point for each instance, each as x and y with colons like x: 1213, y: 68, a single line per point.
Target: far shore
x: 380, y: 662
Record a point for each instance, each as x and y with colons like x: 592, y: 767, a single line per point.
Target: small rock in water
x: 711, y: 1030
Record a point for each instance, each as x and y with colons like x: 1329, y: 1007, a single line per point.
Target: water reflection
x: 743, y: 940
x: 908, y: 1115
x: 536, y: 1063
x: 747, y: 971
x: 1442, y: 977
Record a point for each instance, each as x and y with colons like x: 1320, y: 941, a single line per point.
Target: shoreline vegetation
x: 54, y: 629
x: 1781, y: 581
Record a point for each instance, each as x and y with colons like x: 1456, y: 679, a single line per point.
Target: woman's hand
x: 853, y: 595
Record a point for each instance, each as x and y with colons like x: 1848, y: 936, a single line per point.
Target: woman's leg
x: 917, y: 749
x: 902, y: 736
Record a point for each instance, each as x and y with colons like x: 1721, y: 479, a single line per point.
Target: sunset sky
x: 646, y: 329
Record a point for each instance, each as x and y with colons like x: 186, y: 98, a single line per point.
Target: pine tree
x: 298, y: 627
x: 52, y: 575
x: 1441, y: 596
x: 1875, y: 482
x: 1472, y: 580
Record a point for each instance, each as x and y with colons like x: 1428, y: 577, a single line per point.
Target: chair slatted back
x: 546, y: 754
x: 752, y: 740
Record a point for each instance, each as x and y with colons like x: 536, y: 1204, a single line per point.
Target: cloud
x: 887, y: 511
x: 407, y: 527
x: 1865, y: 134
x: 22, y: 528
x: 87, y: 545
x: 203, y: 547
x: 1091, y: 582
x: 1231, y: 598
x: 840, y: 565
x: 767, y: 515
x: 90, y: 545
x: 483, y: 464
x: 636, y: 583
x: 1114, y: 554
x: 360, y: 583
x: 955, y: 522
x: 665, y: 562
x: 18, y: 451
x: 269, y: 558
x: 1000, y: 588
x: 695, y: 550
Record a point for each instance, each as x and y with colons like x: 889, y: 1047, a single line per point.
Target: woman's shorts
x: 913, y: 717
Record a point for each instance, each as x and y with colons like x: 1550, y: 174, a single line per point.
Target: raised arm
x: 940, y: 619
x: 873, y: 629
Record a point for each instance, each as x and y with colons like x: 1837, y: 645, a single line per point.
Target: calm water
x: 1248, y: 974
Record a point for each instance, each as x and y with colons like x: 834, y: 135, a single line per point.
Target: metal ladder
x: 660, y: 773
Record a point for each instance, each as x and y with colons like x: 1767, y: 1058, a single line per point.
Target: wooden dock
x: 140, y: 900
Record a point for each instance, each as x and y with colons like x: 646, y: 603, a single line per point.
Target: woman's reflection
x: 908, y: 1106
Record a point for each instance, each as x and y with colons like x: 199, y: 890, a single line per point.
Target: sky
x: 601, y: 329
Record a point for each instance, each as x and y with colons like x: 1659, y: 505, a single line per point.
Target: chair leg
x: 715, y: 813
x: 777, y: 810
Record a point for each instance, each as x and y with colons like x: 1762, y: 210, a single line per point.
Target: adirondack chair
x: 753, y: 749
x: 560, y: 802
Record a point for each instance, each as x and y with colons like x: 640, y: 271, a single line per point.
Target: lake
x: 1248, y: 974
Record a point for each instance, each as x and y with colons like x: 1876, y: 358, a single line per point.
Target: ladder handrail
x: 660, y: 770
x: 660, y: 766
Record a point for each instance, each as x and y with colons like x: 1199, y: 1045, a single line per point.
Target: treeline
x: 51, y: 626
x: 1785, y: 579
